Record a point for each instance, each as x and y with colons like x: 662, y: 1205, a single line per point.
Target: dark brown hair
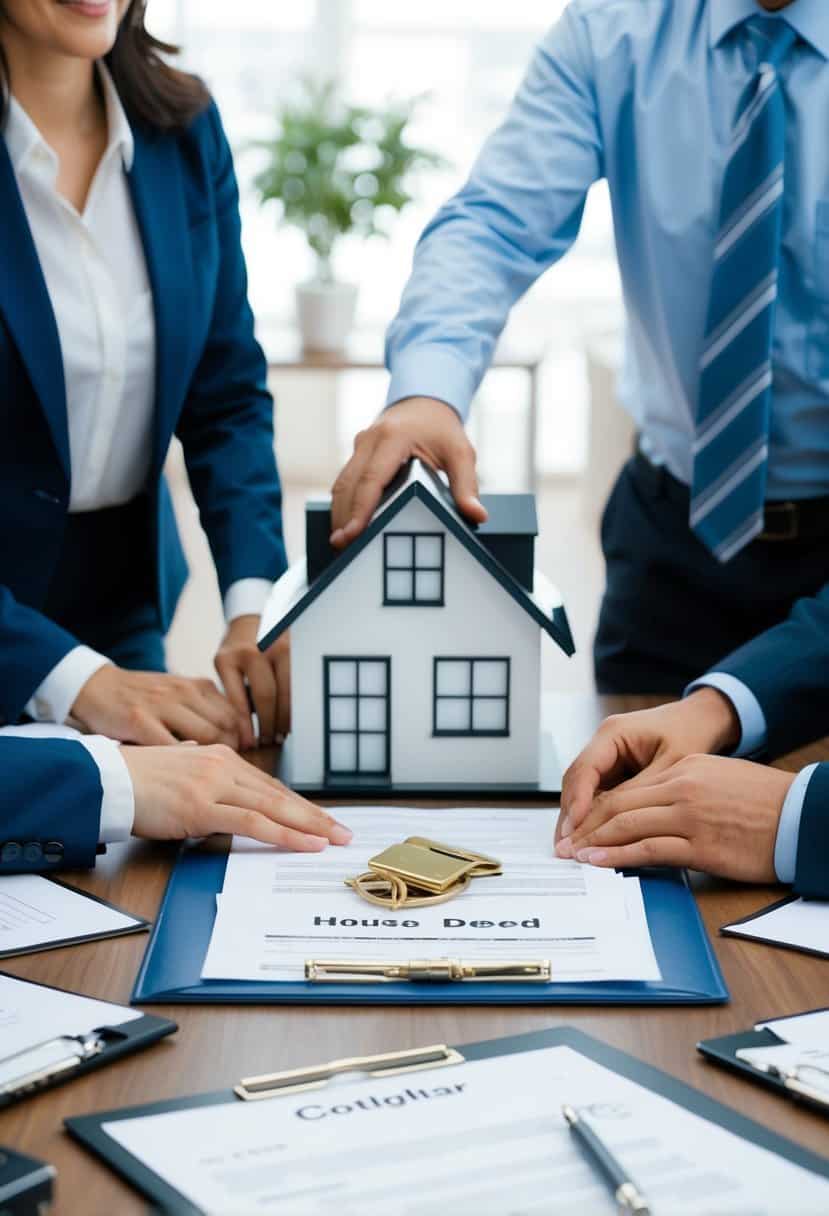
x: 152, y: 92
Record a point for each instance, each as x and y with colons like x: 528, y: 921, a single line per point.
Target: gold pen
x: 441, y: 971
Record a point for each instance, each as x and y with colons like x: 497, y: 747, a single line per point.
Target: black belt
x: 798, y: 519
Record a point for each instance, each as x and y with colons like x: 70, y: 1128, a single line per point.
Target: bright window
x: 413, y: 568
x: 471, y: 696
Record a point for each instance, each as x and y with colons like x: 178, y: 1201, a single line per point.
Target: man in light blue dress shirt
x: 646, y: 93
x: 661, y: 99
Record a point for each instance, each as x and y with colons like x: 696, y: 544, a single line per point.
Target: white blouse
x: 97, y: 279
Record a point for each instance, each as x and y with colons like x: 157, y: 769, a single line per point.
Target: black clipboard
x: 89, y: 1130
x: 139, y: 925
x: 723, y: 1051
x: 121, y: 1039
x: 733, y: 929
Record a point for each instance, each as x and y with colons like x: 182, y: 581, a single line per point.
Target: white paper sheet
x: 35, y: 911
x: 278, y: 909
x: 484, y: 1137
x: 30, y: 1014
x: 802, y: 1029
x: 803, y: 923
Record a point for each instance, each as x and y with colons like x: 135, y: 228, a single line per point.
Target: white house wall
x: 479, y: 619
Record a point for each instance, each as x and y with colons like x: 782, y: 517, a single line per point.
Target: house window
x: 413, y: 568
x: 471, y: 696
x: 357, y: 717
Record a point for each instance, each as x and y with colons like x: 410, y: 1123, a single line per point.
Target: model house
x: 416, y: 652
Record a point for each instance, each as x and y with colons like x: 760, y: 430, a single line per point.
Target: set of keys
x: 418, y: 872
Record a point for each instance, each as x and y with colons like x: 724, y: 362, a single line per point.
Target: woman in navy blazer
x: 108, y: 577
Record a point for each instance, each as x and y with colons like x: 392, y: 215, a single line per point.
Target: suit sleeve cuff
x: 54, y: 697
x: 118, y: 802
x: 246, y: 597
x: 746, y: 707
x: 432, y: 371
x: 788, y: 829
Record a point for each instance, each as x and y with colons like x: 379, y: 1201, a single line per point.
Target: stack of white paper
x: 276, y: 909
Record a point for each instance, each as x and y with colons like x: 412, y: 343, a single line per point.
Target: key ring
x: 389, y: 890
x: 419, y: 872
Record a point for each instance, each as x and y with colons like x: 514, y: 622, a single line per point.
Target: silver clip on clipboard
x: 36, y: 1066
x: 801, y: 1076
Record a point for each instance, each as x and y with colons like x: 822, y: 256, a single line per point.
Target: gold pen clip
x: 298, y: 1080
x: 435, y: 971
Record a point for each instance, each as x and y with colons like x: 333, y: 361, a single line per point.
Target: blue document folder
x: 171, y: 970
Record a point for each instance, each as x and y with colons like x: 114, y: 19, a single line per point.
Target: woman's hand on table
x: 196, y: 791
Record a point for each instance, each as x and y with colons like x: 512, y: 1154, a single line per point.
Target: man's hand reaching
x: 418, y: 426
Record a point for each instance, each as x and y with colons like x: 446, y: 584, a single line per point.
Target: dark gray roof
x: 418, y: 481
x: 509, y: 515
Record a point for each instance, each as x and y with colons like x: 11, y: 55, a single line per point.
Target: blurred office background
x: 466, y: 57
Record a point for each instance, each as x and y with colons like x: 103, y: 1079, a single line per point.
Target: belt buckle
x: 790, y: 518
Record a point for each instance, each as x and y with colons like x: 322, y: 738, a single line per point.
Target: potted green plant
x: 335, y: 168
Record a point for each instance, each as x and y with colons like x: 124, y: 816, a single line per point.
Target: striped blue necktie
x: 735, y: 387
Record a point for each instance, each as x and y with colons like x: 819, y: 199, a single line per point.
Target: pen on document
x: 626, y: 1192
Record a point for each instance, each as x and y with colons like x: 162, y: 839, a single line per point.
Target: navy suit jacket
x: 50, y: 805
x: 210, y: 391
x: 787, y: 669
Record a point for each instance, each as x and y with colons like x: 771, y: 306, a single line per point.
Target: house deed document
x: 484, y: 1137
x: 278, y: 909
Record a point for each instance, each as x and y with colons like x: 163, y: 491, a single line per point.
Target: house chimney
x: 319, y: 553
x: 509, y: 534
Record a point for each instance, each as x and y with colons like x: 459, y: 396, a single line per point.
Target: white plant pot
x: 325, y: 312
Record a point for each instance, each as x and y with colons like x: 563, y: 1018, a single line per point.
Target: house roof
x: 292, y: 594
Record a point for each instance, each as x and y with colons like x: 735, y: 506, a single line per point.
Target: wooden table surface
x: 215, y: 1046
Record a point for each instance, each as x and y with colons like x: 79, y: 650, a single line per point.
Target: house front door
x: 357, y: 718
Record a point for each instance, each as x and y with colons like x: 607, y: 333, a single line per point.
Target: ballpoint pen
x: 626, y: 1192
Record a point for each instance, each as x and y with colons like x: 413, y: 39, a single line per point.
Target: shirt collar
x: 24, y: 140
x: 120, y: 131
x: 810, y: 18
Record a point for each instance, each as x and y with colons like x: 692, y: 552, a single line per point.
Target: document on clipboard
x: 477, y: 1128
x: 279, y: 913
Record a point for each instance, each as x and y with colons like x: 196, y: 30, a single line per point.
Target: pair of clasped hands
x: 649, y: 789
